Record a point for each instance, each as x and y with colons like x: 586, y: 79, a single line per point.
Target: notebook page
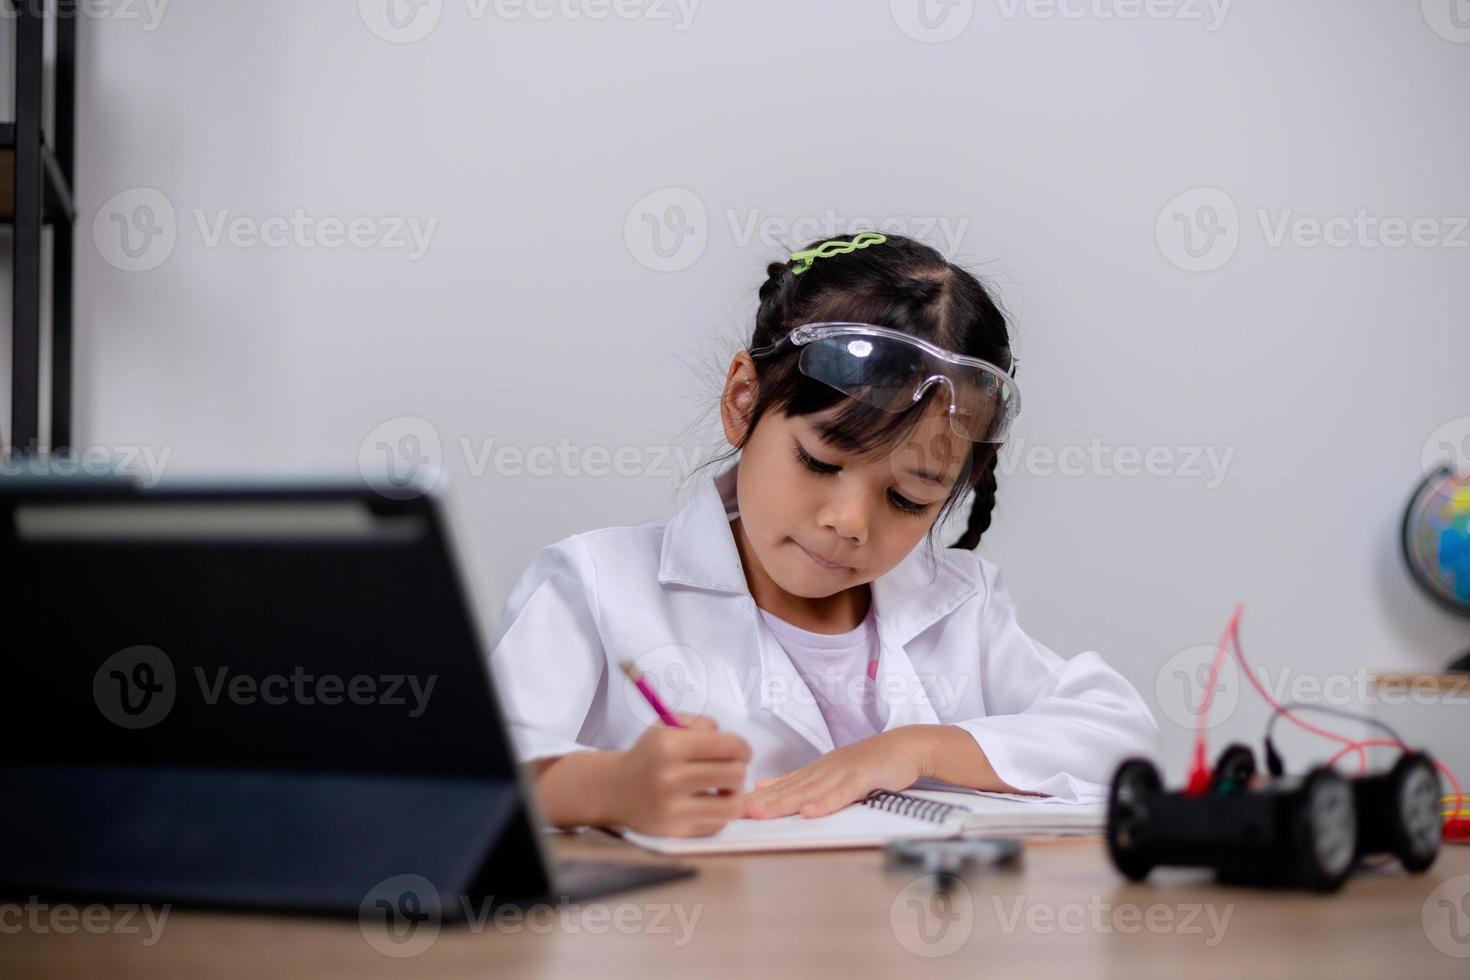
x: 852, y: 826
x: 1019, y: 815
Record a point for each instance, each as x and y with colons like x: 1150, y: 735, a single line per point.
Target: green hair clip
x: 837, y: 246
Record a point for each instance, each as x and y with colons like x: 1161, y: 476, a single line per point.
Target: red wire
x: 1366, y: 744
x: 1234, y: 633
x: 1359, y: 747
x: 1200, y: 776
x: 1199, y: 770
x: 1209, y: 699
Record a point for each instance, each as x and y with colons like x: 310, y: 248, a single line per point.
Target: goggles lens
x: 892, y: 374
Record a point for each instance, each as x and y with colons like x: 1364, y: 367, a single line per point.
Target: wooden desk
x: 839, y: 915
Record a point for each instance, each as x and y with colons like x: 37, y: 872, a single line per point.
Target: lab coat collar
x: 698, y: 550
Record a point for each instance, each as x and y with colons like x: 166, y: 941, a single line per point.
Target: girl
x: 795, y: 610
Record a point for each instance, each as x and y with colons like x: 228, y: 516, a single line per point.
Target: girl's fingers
x: 767, y: 808
x: 774, y: 781
x: 784, y: 800
x: 712, y: 746
x: 828, y: 801
x: 765, y: 803
x: 827, y: 796
x: 722, y: 809
x: 711, y: 775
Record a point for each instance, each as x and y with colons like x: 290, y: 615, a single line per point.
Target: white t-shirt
x: 839, y: 668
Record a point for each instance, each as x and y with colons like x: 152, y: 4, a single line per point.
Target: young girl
x: 795, y: 610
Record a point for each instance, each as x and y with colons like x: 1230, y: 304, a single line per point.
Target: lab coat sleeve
x: 548, y: 660
x: 1057, y: 727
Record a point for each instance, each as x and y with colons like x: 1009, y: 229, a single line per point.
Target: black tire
x: 1135, y: 782
x: 1417, y: 828
x: 1324, y: 830
x: 1233, y: 770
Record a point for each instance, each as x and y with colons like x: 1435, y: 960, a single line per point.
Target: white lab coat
x: 671, y: 596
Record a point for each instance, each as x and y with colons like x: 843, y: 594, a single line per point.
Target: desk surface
x: 839, y: 914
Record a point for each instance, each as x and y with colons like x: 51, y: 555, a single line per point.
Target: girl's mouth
x: 818, y: 559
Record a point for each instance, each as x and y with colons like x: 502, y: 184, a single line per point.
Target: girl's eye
x: 899, y: 501
x: 906, y: 505
x: 814, y: 464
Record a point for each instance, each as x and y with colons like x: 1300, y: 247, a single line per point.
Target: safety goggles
x: 890, y: 370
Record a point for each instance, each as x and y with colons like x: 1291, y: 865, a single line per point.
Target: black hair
x: 901, y: 284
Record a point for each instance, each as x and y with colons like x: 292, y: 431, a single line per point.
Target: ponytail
x: 980, y: 510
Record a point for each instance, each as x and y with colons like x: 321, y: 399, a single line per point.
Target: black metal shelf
x: 36, y: 190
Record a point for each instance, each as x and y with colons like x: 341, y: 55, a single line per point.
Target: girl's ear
x: 738, y: 398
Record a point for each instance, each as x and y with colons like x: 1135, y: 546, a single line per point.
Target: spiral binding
x: 911, y: 806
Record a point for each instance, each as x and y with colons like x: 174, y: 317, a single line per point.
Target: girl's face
x: 821, y: 521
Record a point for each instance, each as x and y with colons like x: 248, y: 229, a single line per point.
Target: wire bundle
x: 1457, y: 817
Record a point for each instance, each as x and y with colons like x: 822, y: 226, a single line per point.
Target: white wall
x: 1053, y: 143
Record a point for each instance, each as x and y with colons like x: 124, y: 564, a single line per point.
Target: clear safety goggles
x: 891, y: 370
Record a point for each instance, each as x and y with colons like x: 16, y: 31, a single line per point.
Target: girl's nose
x: 847, y: 515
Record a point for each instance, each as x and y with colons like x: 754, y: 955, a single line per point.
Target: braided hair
x: 904, y: 285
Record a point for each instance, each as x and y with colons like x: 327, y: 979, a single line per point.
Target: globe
x: 1437, y: 541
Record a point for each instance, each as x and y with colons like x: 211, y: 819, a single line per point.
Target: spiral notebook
x: 884, y: 816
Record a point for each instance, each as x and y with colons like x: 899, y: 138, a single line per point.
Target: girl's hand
x: 892, y: 760
x: 682, y: 782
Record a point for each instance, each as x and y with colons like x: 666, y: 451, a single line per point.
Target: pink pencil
x: 664, y: 714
